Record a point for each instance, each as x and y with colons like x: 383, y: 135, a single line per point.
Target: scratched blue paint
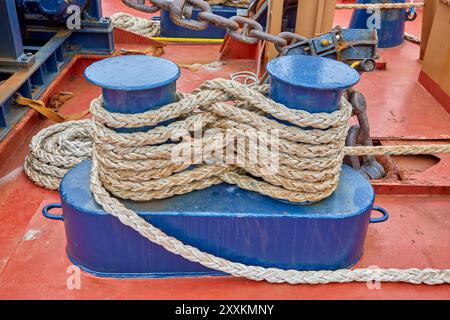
x: 391, y: 33
x: 134, y: 84
x: 243, y: 226
x: 310, y: 83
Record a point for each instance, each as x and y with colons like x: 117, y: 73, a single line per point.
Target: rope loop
x: 220, y: 123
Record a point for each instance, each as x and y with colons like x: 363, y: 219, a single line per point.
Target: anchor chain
x: 240, y: 28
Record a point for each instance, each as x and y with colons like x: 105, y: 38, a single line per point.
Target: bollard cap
x: 134, y: 72
x: 312, y: 72
x: 309, y: 83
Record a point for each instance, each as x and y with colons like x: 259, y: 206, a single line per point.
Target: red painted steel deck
x: 33, y: 263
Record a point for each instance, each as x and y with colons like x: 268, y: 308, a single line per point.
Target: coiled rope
x: 141, y: 26
x: 138, y: 165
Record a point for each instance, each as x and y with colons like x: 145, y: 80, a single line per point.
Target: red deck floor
x: 33, y: 263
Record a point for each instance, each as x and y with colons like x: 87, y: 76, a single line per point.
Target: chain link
x: 140, y: 5
x: 248, y: 25
x: 240, y: 28
x: 289, y: 38
x: 177, y: 16
x: 218, y: 21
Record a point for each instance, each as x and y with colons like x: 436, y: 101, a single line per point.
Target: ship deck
x: 33, y: 261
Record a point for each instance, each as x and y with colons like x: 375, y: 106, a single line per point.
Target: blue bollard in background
x: 392, y: 23
x: 134, y: 84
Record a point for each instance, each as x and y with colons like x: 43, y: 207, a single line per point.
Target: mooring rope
x: 310, y: 160
x: 56, y: 149
x: 139, y: 165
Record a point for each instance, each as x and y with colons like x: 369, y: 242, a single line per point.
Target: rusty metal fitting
x: 290, y: 38
x: 163, y: 4
x: 218, y: 21
x: 248, y: 25
x: 261, y: 35
x: 140, y: 5
x: 177, y: 16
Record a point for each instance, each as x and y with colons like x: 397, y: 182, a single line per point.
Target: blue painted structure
x: 171, y: 30
x: 392, y: 28
x: 243, y: 226
x: 309, y: 83
x: 55, y: 9
x: 35, y: 49
x: 134, y: 84
x: 12, y: 46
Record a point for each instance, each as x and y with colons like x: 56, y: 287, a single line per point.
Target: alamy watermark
x: 249, y: 148
x: 73, y: 281
x: 374, y: 19
x: 73, y: 21
x: 374, y: 283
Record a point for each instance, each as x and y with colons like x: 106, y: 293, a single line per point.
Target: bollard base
x: 224, y: 220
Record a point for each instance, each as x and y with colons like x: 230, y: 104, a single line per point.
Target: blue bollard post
x: 134, y: 84
x: 310, y: 83
x: 392, y: 23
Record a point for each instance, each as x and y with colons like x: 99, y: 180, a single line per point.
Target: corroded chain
x: 239, y: 28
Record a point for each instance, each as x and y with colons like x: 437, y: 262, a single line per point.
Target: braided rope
x: 141, y: 26
x: 56, y: 149
x: 138, y: 166
x: 229, y: 3
x: 318, y: 149
x: 385, y: 6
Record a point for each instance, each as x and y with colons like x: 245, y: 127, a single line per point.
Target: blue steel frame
x: 12, y: 47
x: 29, y: 69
